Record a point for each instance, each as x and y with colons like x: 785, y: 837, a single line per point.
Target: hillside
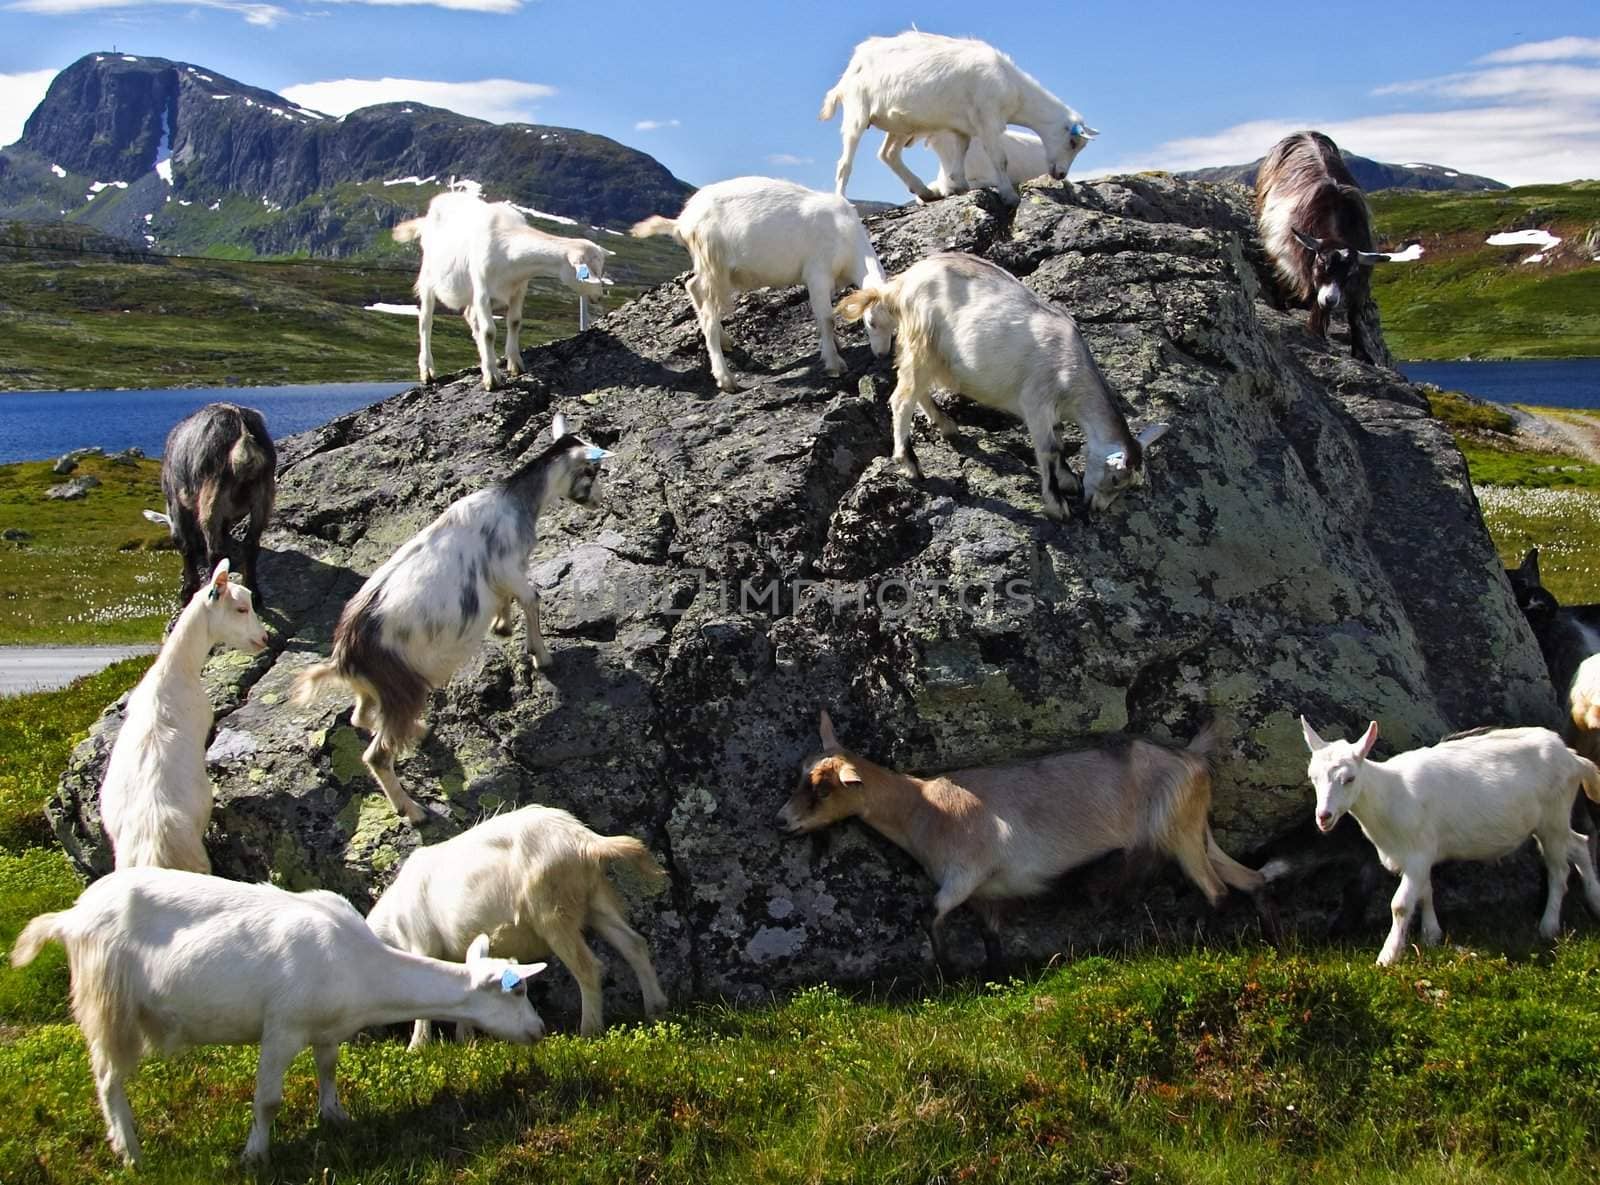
x: 1371, y: 175
x: 78, y: 309
x: 180, y: 157
x: 1466, y: 298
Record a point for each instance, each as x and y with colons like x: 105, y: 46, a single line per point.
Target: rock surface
x: 1307, y: 541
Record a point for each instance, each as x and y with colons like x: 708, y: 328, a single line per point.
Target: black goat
x: 1316, y: 228
x: 219, y: 466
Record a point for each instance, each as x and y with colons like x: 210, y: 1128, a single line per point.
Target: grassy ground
x: 1465, y: 299
x: 1463, y: 1065
x: 91, y: 570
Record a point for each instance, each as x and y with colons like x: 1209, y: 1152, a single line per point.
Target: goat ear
x: 1313, y: 741
x: 1310, y: 244
x: 825, y: 728
x: 1368, y: 739
x: 524, y: 971
x: 558, y: 427
x: 1090, y: 133
x: 479, y: 949
x: 848, y: 774
x: 219, y: 580
x: 1152, y: 433
x: 1530, y: 565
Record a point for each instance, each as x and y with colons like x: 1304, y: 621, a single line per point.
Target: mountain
x: 1369, y: 174
x: 146, y: 148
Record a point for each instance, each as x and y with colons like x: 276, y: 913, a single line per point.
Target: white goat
x: 477, y: 255
x: 163, y: 959
x: 155, y: 800
x: 533, y: 879
x: 915, y: 84
x: 989, y: 834
x: 1024, y: 161
x: 425, y: 611
x: 970, y: 326
x: 758, y: 232
x: 1477, y: 796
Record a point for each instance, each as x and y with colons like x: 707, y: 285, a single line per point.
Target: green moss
x: 1461, y: 412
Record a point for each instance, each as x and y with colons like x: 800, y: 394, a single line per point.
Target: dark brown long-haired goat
x: 219, y: 466
x: 1317, y: 229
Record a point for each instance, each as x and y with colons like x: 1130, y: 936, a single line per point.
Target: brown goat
x: 219, y: 465
x: 1317, y: 230
x: 990, y: 834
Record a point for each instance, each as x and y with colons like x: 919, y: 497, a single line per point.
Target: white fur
x: 532, y: 879
x: 162, y: 960
x: 479, y: 255
x: 915, y: 84
x: 1025, y: 160
x: 758, y: 232
x: 969, y: 326
x: 155, y: 800
x: 1475, y: 797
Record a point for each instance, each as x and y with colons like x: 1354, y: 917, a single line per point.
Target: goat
x: 155, y: 800
x: 533, y: 879
x: 1567, y: 634
x: 988, y: 834
x: 1317, y: 230
x: 425, y: 611
x: 1476, y: 796
x: 477, y: 255
x: 219, y: 465
x: 757, y: 232
x: 969, y: 325
x: 915, y: 83
x: 163, y: 959
x: 1024, y: 161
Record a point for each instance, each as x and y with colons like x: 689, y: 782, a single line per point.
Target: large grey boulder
x: 1307, y: 542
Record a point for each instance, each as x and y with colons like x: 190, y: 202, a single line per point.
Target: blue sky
x: 715, y: 89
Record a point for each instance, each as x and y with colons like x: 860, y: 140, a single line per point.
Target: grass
x: 1465, y: 299
x: 1169, y: 1065
x: 91, y: 571
x: 1463, y: 413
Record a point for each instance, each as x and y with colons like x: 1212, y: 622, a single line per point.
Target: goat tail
x: 47, y: 927
x: 1237, y: 875
x: 830, y: 103
x: 246, y: 458
x: 308, y: 684
x: 656, y: 224
x: 1588, y: 777
x: 856, y: 305
x: 1585, y: 701
x: 408, y: 231
x: 633, y: 851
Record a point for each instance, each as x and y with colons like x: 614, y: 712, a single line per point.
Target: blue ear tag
x: 1117, y: 459
x: 509, y: 980
x: 583, y: 271
x: 595, y: 453
x: 1076, y: 129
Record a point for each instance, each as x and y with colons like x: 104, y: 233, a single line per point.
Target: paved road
x: 39, y: 668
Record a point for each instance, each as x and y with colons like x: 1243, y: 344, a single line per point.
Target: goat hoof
x: 335, y: 1114
x: 728, y: 385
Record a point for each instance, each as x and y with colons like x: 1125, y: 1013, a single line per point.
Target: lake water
x: 1554, y: 382
x: 35, y: 425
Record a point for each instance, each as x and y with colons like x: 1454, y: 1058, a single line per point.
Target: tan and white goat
x: 994, y: 833
x: 533, y: 879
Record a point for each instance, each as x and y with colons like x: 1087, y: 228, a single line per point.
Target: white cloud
x: 501, y: 6
x: 1557, y: 49
x: 789, y: 158
x: 498, y: 100
x: 651, y: 125
x: 19, y: 95
x: 1518, y: 124
x: 265, y: 15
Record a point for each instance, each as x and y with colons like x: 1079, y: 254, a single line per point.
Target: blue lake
x: 35, y: 425
x: 1554, y: 382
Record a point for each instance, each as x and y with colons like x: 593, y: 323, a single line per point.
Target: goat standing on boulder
x: 757, y: 232
x: 1477, y: 796
x: 990, y: 834
x: 914, y: 84
x: 219, y: 465
x: 971, y: 326
x: 477, y: 255
x: 425, y: 611
x: 155, y: 801
x: 1317, y: 230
